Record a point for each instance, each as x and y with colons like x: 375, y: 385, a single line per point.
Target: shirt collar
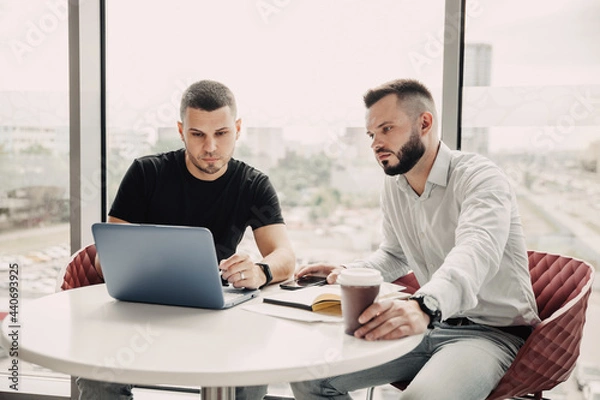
x: 439, y: 171
x: 438, y: 174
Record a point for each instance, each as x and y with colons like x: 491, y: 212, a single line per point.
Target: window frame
x: 87, y: 127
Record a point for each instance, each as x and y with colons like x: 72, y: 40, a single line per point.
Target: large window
x: 34, y: 140
x: 34, y: 162
x: 531, y: 102
x: 299, y: 70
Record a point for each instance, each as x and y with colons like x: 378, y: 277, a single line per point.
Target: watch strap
x: 430, y: 306
x: 267, y: 271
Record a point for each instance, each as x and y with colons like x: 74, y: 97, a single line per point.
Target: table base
x: 217, y: 393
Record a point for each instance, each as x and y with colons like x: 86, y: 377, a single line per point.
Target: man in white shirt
x: 452, y: 219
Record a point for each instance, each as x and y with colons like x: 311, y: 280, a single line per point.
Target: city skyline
x: 517, y: 118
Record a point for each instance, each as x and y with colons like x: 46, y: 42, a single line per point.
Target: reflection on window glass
x: 532, y: 103
x: 299, y: 70
x: 34, y: 163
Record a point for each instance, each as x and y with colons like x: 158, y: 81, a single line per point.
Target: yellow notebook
x: 325, y: 299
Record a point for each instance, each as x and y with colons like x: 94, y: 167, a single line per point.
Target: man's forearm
x: 282, y: 263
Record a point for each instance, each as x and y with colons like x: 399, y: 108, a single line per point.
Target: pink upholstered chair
x: 562, y: 286
x: 80, y: 270
x: 409, y: 281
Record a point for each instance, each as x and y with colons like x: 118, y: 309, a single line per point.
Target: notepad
x: 323, y: 299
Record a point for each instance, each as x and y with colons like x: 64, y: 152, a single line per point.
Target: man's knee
x: 317, y: 389
x: 97, y: 390
x: 250, y: 392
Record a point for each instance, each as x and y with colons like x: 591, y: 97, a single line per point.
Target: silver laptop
x: 160, y: 264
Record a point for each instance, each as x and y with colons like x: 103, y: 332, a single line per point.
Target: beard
x: 209, y: 168
x: 407, y: 156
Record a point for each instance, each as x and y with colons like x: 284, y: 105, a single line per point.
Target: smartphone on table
x: 303, y: 281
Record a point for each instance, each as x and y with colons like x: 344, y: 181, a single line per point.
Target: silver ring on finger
x: 242, y: 277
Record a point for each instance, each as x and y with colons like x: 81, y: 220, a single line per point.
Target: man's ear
x: 426, y: 122
x: 238, y: 127
x: 180, y: 129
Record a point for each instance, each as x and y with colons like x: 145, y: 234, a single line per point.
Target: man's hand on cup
x: 240, y: 271
x: 392, y: 319
x: 331, y: 271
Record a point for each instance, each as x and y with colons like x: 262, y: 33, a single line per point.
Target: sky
x: 294, y: 63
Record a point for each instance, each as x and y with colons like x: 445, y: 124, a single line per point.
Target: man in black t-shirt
x: 202, y: 185
x: 160, y: 189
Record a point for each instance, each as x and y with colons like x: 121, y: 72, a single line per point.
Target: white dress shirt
x: 462, y: 238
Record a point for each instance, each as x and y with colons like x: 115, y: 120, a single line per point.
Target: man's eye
x: 386, y: 129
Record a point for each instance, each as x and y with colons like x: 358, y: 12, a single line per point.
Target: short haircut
x: 208, y: 96
x: 413, y: 95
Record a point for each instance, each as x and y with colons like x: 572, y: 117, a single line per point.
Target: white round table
x: 84, y: 332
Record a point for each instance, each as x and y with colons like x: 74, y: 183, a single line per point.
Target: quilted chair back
x: 562, y: 286
x: 409, y: 281
x: 80, y: 270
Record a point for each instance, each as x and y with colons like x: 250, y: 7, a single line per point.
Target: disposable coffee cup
x: 359, y: 288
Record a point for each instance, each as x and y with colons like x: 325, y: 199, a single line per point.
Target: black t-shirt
x: 160, y: 190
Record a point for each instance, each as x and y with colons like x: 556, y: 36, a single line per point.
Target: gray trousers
x: 452, y: 362
x: 97, y: 390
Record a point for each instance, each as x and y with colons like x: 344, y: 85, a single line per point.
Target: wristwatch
x: 267, y: 271
x: 430, y: 306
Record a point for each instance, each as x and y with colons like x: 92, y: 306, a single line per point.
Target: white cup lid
x: 360, y: 277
